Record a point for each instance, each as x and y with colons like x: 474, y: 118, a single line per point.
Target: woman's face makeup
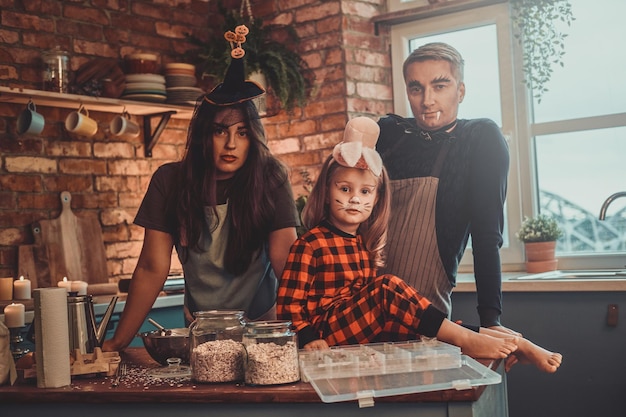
x: 231, y: 142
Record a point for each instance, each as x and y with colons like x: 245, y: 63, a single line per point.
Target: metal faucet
x: 608, y: 201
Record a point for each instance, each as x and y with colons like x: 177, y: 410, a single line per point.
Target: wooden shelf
x: 101, y: 104
x: 147, y: 110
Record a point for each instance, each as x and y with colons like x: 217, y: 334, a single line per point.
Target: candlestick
x: 21, y: 289
x: 6, y: 288
x: 65, y: 283
x: 14, y: 315
x: 80, y: 287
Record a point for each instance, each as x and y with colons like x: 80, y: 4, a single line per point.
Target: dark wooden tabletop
x: 138, y: 387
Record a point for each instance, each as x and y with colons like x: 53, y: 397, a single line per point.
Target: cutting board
x: 75, y: 247
x: 33, y: 261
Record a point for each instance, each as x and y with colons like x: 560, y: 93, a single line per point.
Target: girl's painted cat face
x: 351, y: 199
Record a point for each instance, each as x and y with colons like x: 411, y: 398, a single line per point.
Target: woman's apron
x: 412, y: 248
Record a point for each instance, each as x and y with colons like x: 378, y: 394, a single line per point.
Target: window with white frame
x: 567, y: 151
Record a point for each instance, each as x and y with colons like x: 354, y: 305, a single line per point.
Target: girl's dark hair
x: 250, y: 204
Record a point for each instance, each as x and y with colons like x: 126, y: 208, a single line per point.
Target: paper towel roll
x: 52, y: 345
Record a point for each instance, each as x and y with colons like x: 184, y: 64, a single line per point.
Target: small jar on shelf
x: 272, y: 353
x: 217, y: 354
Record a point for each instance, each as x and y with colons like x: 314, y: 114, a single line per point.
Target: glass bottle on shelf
x: 55, y: 71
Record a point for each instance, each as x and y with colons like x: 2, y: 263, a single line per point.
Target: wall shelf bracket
x: 150, y: 138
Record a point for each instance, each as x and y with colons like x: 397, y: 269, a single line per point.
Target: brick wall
x: 108, y: 177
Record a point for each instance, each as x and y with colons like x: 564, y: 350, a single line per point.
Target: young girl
x: 330, y: 289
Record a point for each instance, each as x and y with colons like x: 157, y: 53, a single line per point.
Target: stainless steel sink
x: 575, y: 274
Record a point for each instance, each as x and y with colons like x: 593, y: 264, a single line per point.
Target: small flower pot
x: 536, y: 267
x: 540, y: 256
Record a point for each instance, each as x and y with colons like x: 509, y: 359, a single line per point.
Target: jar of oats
x: 217, y: 353
x: 272, y: 353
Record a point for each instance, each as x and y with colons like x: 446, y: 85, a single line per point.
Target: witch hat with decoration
x: 235, y: 88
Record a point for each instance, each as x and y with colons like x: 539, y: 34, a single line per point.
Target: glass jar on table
x: 217, y: 354
x: 271, y: 353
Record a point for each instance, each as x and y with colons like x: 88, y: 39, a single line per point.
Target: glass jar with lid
x: 55, y: 71
x: 272, y: 353
x: 217, y: 354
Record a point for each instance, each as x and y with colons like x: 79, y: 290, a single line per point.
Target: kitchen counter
x: 138, y: 395
x: 466, y: 283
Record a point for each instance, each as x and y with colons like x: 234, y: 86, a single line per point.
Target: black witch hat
x: 235, y: 88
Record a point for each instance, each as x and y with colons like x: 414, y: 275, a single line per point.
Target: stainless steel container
x: 85, y: 335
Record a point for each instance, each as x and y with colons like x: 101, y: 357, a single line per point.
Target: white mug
x: 30, y: 122
x: 80, y: 123
x: 123, y: 127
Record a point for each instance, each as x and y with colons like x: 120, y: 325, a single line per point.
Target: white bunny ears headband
x: 357, y: 150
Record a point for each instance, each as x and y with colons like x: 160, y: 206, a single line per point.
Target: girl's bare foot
x: 543, y: 359
x: 528, y: 352
x: 475, y: 344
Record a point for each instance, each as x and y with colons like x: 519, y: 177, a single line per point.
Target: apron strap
x: 441, y: 157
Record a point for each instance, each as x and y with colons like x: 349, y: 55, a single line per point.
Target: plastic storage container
x: 272, y: 353
x: 217, y: 354
x: 362, y: 372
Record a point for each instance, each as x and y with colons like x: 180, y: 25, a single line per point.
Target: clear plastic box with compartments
x: 362, y: 372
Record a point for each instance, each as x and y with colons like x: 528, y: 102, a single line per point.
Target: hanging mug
x: 123, y: 127
x: 29, y: 122
x: 80, y: 123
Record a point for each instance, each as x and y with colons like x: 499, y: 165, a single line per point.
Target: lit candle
x: 6, y: 288
x: 65, y: 283
x: 21, y: 289
x: 79, y: 287
x: 14, y: 315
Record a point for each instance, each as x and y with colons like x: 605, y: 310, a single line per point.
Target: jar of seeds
x: 272, y: 353
x: 217, y: 354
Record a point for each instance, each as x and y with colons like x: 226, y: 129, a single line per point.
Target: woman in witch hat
x: 227, y: 207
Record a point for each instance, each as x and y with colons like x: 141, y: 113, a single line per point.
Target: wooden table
x: 94, y: 396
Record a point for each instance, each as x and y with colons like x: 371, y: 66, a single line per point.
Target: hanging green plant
x: 286, y: 72
x: 543, y: 43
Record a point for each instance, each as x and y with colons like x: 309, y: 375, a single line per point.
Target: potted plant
x: 286, y: 73
x: 543, y: 43
x: 539, y: 235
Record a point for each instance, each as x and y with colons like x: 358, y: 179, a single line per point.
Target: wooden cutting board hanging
x: 75, y: 246
x: 33, y: 261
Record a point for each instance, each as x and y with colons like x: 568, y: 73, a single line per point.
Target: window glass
x: 580, y: 137
x: 591, y: 82
x: 576, y: 172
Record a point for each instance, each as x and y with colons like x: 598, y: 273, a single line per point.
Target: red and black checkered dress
x: 329, y: 290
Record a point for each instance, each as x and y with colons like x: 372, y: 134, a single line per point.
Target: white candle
x: 65, y: 283
x: 21, y: 289
x: 6, y: 288
x: 14, y: 315
x: 79, y: 287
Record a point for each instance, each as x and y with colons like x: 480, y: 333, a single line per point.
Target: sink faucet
x: 608, y: 201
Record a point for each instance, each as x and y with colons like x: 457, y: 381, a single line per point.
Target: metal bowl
x: 173, y: 344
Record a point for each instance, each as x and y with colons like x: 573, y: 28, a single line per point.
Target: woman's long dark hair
x: 250, y: 204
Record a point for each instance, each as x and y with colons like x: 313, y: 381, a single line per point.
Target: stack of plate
x: 181, y: 83
x: 145, y: 87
